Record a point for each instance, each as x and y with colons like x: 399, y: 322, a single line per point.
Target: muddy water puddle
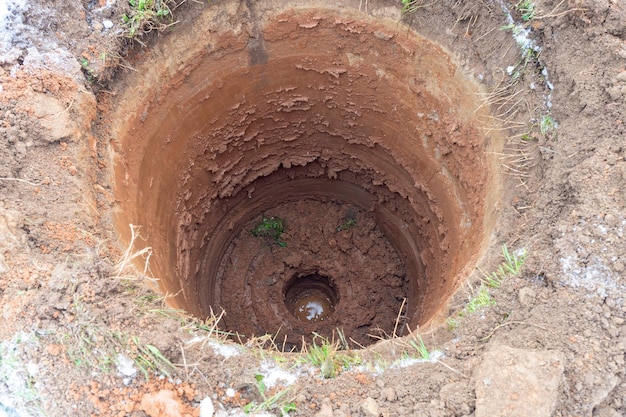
x: 311, y: 298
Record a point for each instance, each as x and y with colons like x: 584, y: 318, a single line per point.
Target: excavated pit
x: 362, y: 137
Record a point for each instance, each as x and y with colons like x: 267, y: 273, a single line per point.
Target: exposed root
x: 129, y: 256
x: 554, y: 13
x: 19, y: 180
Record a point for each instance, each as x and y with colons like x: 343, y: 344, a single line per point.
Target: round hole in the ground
x: 317, y: 119
x: 311, y: 298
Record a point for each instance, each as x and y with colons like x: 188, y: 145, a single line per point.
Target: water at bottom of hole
x: 310, y: 298
x: 312, y: 305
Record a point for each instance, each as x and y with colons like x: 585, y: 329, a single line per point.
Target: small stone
x: 53, y: 117
x: 369, y: 407
x: 614, y: 92
x: 383, y: 36
x: 527, y: 296
x: 126, y: 366
x: 293, y: 260
x: 20, y: 148
x: 389, y: 394
x: 326, y: 409
x: 605, y: 412
x: 107, y: 24
x: 206, y: 407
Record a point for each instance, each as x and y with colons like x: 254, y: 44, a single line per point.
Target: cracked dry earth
x: 402, y: 151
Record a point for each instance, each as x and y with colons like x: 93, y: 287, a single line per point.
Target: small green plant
x: 530, y: 59
x: 270, y: 227
x: 274, y: 402
x: 527, y: 9
x: 84, y: 352
x: 547, y: 125
x: 148, y: 359
x: 481, y: 299
x: 87, y: 70
x: 512, y: 265
x: 348, y: 224
x: 452, y: 323
x: 325, y: 355
x: 88, y: 346
x: 146, y: 15
x: 417, y: 343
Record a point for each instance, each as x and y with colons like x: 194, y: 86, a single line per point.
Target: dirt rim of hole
x: 280, y: 104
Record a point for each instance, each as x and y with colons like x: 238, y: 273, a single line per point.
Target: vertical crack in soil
x: 366, y: 142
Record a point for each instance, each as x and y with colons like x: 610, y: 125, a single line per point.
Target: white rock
x: 107, y: 24
x: 206, y: 407
x: 126, y: 366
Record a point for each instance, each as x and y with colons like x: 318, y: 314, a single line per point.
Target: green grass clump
x: 481, y: 297
x: 325, y: 355
x: 276, y: 402
x: 512, y: 265
x: 422, y: 351
x: 348, y: 224
x: 527, y: 9
x: 548, y: 126
x: 270, y: 227
x: 147, y: 15
x: 149, y: 359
